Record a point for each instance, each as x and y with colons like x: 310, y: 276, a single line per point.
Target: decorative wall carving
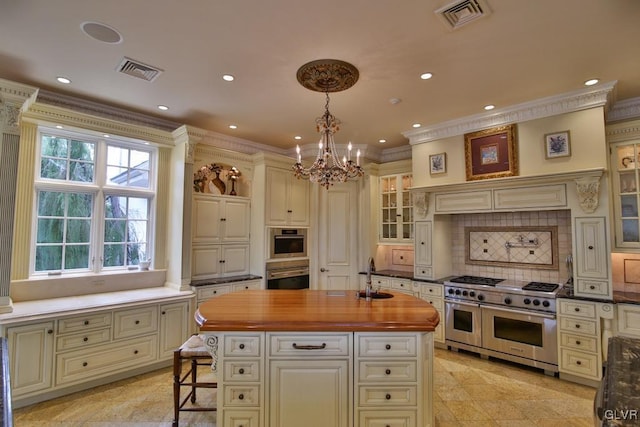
x: 421, y: 203
x: 588, y: 189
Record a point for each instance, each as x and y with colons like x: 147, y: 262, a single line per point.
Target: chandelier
x: 328, y: 75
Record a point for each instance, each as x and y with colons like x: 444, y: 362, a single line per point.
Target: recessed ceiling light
x: 395, y: 101
x: 233, y: 127
x: 58, y: 127
x: 426, y: 76
x: 163, y: 107
x: 106, y: 135
x: 227, y: 77
x: 416, y: 125
x: 297, y: 137
x: 591, y: 82
x: 382, y: 141
x: 63, y: 80
x: 489, y: 107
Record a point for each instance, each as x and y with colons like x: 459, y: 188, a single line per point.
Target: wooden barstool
x: 193, y: 351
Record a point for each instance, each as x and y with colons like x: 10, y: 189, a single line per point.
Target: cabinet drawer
x: 578, y: 308
x: 379, y: 281
x: 578, y: 342
x: 629, y: 320
x: 577, y: 325
x: 241, y: 370
x: 242, y: 345
x: 387, y: 419
x: 85, y: 322
x: 597, y: 288
x: 371, y: 371
x: 577, y: 362
x: 206, y: 292
x: 392, y: 345
x: 432, y: 290
x: 107, y: 359
x: 242, y: 418
x: 71, y: 341
x: 437, y: 303
x: 422, y: 271
x: 245, y: 286
x: 136, y: 321
x: 402, y: 285
x: 241, y: 395
x: 310, y: 345
x: 387, y: 396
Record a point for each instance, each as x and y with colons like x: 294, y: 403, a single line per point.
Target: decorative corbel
x: 421, y: 203
x: 588, y: 189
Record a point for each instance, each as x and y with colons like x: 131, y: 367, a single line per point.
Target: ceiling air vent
x: 455, y: 15
x: 137, y: 69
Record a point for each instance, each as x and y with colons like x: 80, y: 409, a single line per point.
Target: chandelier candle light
x: 328, y: 75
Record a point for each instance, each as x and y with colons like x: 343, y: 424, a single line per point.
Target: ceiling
x: 516, y: 51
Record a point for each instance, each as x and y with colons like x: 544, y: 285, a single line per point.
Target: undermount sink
x: 375, y: 295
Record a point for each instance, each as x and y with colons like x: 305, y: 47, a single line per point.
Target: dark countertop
x: 621, y: 389
x: 223, y: 280
x: 399, y: 274
x: 619, y: 297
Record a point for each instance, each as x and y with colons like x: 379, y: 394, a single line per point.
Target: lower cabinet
x: 434, y: 294
x: 318, y: 379
x: 629, y: 320
x: 75, y: 349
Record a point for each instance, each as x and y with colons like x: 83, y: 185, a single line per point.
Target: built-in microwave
x: 287, y: 242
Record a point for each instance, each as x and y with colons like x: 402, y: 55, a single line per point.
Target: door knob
x: 322, y: 270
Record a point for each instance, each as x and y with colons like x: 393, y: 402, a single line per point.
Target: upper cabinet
x: 287, y: 199
x: 396, y: 219
x: 624, y: 167
x: 220, y: 219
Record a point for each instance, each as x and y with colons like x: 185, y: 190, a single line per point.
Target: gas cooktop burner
x: 540, y: 286
x: 476, y: 280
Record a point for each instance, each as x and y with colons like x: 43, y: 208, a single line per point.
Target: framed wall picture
x: 437, y: 163
x: 491, y: 153
x: 557, y: 144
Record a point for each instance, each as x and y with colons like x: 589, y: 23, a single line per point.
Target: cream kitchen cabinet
x: 422, y: 249
x: 629, y: 320
x: 287, y: 202
x: 434, y: 294
x: 220, y: 219
x: 211, y: 261
x: 30, y: 355
x: 396, y: 216
x: 204, y: 292
x: 626, y: 190
x: 174, y: 326
x: 592, y: 259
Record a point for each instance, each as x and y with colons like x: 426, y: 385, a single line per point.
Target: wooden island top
x: 315, y: 311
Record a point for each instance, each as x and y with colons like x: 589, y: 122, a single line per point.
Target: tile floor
x: 468, y: 391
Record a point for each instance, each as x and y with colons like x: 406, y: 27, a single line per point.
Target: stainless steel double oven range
x: 509, y: 320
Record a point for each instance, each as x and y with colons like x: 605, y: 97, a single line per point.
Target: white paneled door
x: 337, y: 237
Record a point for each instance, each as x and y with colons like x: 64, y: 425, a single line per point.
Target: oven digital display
x: 518, y: 331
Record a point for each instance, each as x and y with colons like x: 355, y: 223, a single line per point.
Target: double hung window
x: 94, y: 203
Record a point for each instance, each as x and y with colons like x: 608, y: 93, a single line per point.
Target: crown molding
x: 624, y: 110
x: 595, y: 96
x: 195, y: 135
x: 623, y: 131
x: 12, y: 97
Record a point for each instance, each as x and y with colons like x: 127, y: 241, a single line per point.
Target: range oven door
x: 521, y: 333
x: 463, y: 323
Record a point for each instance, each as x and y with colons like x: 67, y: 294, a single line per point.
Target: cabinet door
x: 235, y: 260
x: 396, y: 222
x: 236, y: 221
x: 30, y: 357
x: 591, y: 248
x: 298, y: 201
x: 277, y: 205
x: 173, y: 327
x: 309, y: 393
x: 423, y: 243
x: 206, y: 261
x: 206, y: 219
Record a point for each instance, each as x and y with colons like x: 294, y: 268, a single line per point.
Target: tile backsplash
x: 501, y: 226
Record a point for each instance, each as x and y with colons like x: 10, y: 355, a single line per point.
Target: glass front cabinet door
x: 396, y: 221
x: 624, y: 159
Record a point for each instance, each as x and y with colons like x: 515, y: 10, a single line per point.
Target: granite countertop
x: 223, y: 280
x: 402, y: 275
x: 619, y: 297
x: 621, y: 390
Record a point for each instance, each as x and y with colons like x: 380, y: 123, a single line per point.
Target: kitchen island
x: 291, y: 358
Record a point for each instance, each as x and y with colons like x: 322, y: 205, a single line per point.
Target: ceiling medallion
x: 328, y: 75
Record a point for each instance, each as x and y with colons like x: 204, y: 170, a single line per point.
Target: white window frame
x: 100, y: 189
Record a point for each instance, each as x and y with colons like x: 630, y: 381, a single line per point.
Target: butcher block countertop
x: 314, y: 311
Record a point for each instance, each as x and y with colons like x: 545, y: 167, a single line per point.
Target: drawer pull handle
x: 577, y: 326
x: 592, y: 287
x: 49, y: 331
x: 578, y: 362
x: 388, y: 346
x: 85, y: 339
x: 578, y: 343
x: 135, y: 351
x: 241, y: 396
x: 86, y: 322
x: 310, y: 347
x: 388, y: 372
x: 84, y: 363
x: 577, y: 309
x: 137, y: 322
x: 241, y: 370
x: 241, y: 346
x: 388, y: 396
x: 590, y: 247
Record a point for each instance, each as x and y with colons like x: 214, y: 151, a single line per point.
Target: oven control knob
x: 546, y: 303
x: 458, y: 292
x: 507, y: 300
x: 465, y: 293
x: 472, y: 294
x: 536, y: 302
x: 480, y: 297
x: 450, y: 291
x: 527, y: 301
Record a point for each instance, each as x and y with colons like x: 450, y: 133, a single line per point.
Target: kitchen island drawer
x: 577, y: 325
x: 373, y: 371
x: 242, y: 371
x: 309, y: 345
x: 241, y: 395
x: 84, y: 322
x: 578, y: 342
x: 243, y: 345
x: 244, y: 418
x: 136, y: 321
x: 580, y: 363
x: 578, y: 308
x: 383, y: 396
x: 387, y: 418
x: 87, y: 338
x: 391, y: 345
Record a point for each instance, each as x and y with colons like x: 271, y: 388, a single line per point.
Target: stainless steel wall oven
x: 287, y: 243
x: 292, y: 274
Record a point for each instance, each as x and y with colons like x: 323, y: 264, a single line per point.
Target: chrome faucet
x: 369, y: 288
